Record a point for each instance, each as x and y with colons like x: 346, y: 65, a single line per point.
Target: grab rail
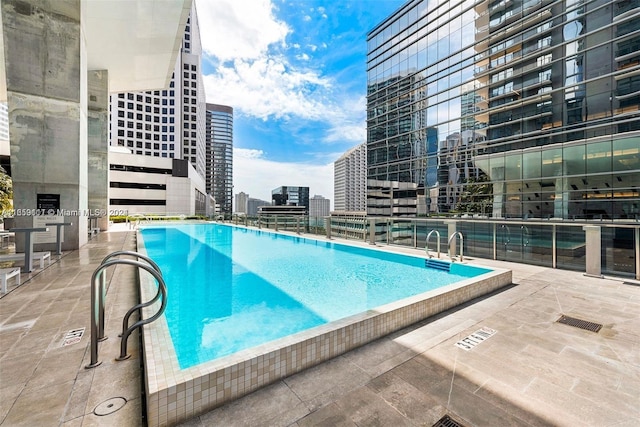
x: 125, y: 320
x: 452, y: 237
x: 97, y: 305
x: 426, y: 245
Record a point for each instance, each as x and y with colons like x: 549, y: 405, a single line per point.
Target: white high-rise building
x: 170, y: 122
x: 350, y: 180
x: 241, y: 202
x: 319, y: 206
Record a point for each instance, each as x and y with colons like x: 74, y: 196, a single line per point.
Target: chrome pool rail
x: 125, y: 320
x: 452, y: 239
x: 426, y: 245
x: 98, y: 294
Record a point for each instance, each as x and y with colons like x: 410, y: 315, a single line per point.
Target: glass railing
x: 548, y: 243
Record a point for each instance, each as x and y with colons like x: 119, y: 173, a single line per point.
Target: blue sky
x: 295, y: 74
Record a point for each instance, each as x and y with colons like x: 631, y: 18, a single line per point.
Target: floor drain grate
x: 109, y: 406
x: 447, y: 421
x: 579, y: 323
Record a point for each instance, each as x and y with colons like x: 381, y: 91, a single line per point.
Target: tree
x: 476, y: 196
x: 6, y: 193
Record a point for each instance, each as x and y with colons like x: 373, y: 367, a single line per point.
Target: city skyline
x: 295, y: 74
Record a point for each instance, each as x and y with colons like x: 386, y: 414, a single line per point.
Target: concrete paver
x: 532, y: 372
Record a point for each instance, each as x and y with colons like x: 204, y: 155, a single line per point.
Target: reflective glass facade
x: 219, y: 156
x: 506, y: 108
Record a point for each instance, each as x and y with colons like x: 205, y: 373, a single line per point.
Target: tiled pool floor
x: 532, y: 371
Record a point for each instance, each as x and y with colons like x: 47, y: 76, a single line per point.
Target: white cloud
x: 306, y: 18
x: 232, y: 29
x: 246, y: 43
x: 248, y: 153
x: 257, y: 176
x: 269, y: 87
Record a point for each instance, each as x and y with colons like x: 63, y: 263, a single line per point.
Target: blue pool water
x: 233, y: 288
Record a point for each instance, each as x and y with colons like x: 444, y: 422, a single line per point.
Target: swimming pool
x: 268, y: 307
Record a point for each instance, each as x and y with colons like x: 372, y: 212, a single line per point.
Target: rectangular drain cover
x: 475, y: 338
x: 72, y: 337
x: 578, y: 323
x: 446, y: 421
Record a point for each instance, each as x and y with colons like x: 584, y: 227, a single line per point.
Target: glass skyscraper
x: 505, y: 108
x: 219, y: 155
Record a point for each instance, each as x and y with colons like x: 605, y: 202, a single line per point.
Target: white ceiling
x: 137, y: 41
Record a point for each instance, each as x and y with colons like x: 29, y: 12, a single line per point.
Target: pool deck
x: 532, y: 372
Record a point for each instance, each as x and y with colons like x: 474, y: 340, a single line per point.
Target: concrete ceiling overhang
x: 137, y: 41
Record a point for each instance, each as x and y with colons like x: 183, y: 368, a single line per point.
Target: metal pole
x: 95, y: 321
x: 102, y: 296
x: 495, y: 244
x: 637, y: 253
x: 554, y: 252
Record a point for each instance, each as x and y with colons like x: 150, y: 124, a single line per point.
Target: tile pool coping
x: 174, y: 395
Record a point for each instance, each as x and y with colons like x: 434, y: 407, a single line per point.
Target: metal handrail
x: 452, y: 237
x: 95, y: 310
x: 125, y: 320
x: 508, y: 238
x: 426, y: 245
x: 526, y: 235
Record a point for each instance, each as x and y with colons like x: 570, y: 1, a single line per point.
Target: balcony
x: 623, y: 7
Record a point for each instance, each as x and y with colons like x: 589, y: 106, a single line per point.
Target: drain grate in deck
x: 579, y: 323
x: 447, y: 421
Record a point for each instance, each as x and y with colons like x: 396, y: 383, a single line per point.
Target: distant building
x: 219, y: 155
x: 166, y: 123
x: 253, y: 206
x: 319, y: 206
x: 154, y: 185
x: 350, y: 180
x: 291, y: 196
x: 241, y: 202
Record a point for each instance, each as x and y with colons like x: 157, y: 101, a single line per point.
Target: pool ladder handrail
x: 451, y: 238
x: 98, y: 291
x: 137, y: 307
x: 426, y: 245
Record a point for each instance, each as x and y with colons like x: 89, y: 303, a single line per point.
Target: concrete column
x: 451, y: 228
x: 372, y: 231
x: 46, y: 75
x: 327, y: 226
x: 593, y: 241
x: 98, y: 145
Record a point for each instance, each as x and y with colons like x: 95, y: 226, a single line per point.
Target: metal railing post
x: 554, y: 249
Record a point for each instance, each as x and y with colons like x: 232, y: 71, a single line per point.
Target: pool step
x: 437, y: 264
